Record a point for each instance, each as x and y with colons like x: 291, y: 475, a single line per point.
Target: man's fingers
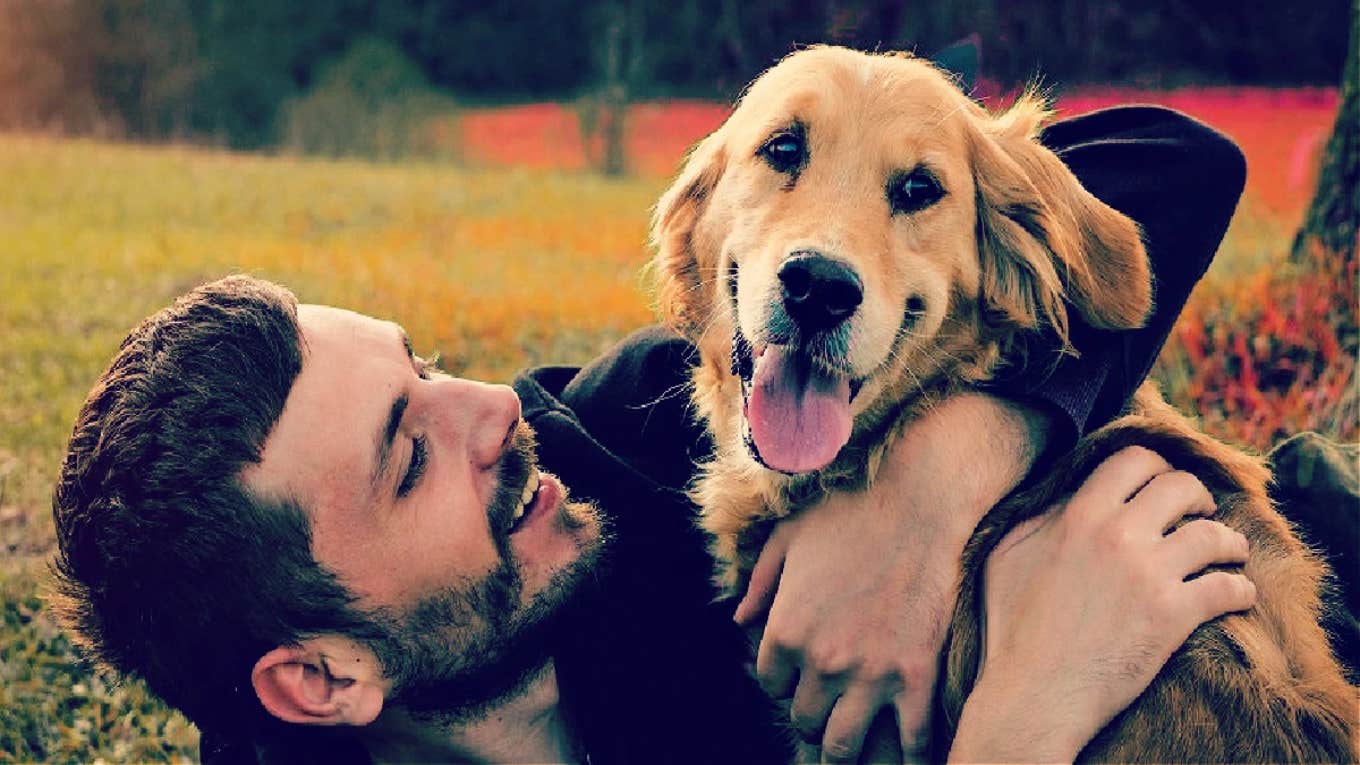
x: 811, y: 705
x: 764, y: 582
x: 1171, y: 496
x: 1202, y: 543
x: 848, y: 722
x: 776, y: 667
x: 1217, y: 593
x: 1120, y: 476
x: 913, y: 710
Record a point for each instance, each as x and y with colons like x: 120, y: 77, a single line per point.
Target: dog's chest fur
x: 740, y: 499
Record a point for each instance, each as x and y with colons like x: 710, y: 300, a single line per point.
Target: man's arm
x: 859, y: 590
x: 1092, y: 585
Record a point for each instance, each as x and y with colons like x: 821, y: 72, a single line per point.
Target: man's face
x: 415, y: 483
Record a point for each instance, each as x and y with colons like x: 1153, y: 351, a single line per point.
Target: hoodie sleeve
x: 1181, y: 181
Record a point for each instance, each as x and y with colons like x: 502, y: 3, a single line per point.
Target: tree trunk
x: 623, y: 50
x: 1333, y: 219
x: 615, y: 95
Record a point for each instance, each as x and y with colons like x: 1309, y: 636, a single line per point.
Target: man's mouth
x: 527, y: 499
x: 523, y: 493
x: 796, y: 409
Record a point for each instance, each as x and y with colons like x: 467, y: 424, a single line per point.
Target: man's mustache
x: 516, y: 464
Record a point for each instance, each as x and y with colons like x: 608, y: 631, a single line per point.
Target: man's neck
x: 528, y: 727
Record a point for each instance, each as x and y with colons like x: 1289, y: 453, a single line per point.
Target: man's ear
x: 1041, y: 236
x: 326, y: 680
x: 682, y: 275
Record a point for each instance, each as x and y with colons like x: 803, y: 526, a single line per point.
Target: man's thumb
x: 760, y: 591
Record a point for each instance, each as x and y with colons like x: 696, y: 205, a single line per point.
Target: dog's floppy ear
x: 681, y: 275
x: 1042, y: 236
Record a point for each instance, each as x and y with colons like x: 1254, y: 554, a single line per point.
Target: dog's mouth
x: 796, y: 410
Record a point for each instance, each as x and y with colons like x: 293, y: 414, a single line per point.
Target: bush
x: 1275, y: 357
x: 372, y: 102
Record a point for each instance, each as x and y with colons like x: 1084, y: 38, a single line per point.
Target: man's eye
x: 786, y: 151
x: 913, y: 191
x: 420, y: 455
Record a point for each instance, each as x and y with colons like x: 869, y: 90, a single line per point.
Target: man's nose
x: 487, y: 416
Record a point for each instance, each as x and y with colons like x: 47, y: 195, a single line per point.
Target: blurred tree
x: 257, y: 54
x: 1333, y: 219
x: 147, y: 64
x: 621, y: 36
x: 222, y: 69
x: 372, y: 101
x: 103, y: 66
x: 47, y: 68
x: 495, y: 49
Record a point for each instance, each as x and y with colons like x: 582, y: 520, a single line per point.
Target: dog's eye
x: 786, y: 151
x: 913, y: 191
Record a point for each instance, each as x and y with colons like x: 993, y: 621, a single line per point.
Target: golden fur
x: 1013, y: 242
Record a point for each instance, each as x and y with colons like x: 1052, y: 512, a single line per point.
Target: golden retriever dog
x: 860, y: 239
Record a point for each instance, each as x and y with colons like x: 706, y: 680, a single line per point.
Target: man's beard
x: 459, y: 652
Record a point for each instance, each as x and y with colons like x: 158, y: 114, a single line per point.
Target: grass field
x: 495, y: 268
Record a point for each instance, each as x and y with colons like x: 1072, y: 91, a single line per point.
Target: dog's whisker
x: 678, y: 389
x: 943, y: 352
x: 949, y: 114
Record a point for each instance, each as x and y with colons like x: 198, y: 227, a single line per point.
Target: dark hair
x: 167, y: 568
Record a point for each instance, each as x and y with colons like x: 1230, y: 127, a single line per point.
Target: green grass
x: 495, y: 269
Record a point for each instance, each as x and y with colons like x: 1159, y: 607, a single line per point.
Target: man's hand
x: 859, y: 589
x: 1085, y: 605
x: 858, y: 619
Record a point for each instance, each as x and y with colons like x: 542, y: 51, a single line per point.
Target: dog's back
x: 1259, y: 686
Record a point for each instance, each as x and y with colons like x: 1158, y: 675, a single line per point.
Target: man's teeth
x: 526, y: 497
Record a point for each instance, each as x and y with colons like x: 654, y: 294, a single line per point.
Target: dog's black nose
x: 819, y: 292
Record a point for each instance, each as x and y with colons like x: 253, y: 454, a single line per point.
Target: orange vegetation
x: 1281, y: 132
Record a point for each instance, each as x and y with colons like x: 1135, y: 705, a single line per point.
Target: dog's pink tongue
x: 800, y: 417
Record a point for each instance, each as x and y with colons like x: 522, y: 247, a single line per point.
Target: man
x: 166, y: 480
x: 367, y: 544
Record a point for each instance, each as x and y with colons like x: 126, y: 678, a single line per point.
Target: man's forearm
x: 969, y: 452
x: 998, y: 725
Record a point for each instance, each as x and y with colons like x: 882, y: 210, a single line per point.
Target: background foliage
x: 370, y: 102
x: 223, y: 70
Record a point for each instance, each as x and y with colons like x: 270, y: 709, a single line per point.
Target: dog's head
x: 852, y: 214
